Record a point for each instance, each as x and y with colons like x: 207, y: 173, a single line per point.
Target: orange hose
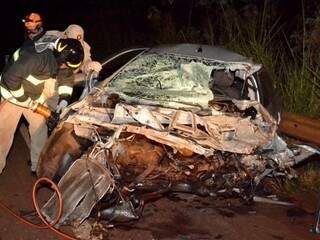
x: 20, y: 218
x: 36, y: 206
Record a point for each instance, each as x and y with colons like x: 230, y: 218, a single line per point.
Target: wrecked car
x: 175, y: 118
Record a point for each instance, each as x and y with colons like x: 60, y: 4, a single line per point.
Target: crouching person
x: 76, y: 32
x: 22, y: 85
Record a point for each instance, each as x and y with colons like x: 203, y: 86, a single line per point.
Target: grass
x: 259, y: 33
x: 296, y: 73
x: 300, y: 91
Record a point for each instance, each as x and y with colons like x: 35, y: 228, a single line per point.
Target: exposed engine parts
x: 136, y: 154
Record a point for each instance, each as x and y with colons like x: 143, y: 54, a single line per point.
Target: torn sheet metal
x: 134, y: 166
x: 83, y: 185
x: 99, y: 114
x: 161, y: 137
x: 125, y: 114
x: 262, y: 112
x: 186, y: 130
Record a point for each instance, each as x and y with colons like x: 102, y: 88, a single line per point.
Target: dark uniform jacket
x: 25, y: 74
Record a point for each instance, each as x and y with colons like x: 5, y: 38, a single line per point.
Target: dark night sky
x: 122, y: 17
x: 58, y: 14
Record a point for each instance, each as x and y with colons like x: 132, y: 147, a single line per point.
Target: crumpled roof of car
x: 201, y: 51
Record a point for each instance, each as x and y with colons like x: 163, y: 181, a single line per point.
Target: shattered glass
x: 164, y: 80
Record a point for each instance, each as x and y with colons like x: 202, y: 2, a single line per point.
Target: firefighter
x: 33, y: 25
x: 21, y: 85
x: 33, y: 32
x: 76, y: 32
x: 80, y: 74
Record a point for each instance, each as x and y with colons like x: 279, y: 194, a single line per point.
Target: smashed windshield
x: 164, y: 80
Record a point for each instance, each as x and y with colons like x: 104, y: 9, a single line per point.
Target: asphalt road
x: 180, y: 217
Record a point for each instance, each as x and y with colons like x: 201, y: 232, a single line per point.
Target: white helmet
x: 74, y: 31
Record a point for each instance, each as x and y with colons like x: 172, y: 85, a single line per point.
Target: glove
x: 52, y: 121
x: 62, y: 104
x: 94, y: 66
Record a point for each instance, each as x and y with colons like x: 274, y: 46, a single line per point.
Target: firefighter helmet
x: 69, y: 51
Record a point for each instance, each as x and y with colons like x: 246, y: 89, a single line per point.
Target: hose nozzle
x: 42, y: 110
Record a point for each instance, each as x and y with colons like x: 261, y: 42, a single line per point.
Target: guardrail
x: 300, y: 127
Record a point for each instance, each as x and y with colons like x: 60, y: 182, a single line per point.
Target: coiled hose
x: 46, y: 225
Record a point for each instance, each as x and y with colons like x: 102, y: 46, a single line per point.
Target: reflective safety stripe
x: 34, y: 80
x: 61, y: 48
x: 69, y: 64
x: 41, y: 99
x: 5, y: 93
x: 64, y: 90
x: 8, y: 96
x: 73, y: 65
x: 16, y: 55
x: 18, y: 93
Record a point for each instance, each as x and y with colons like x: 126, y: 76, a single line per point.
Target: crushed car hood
x: 182, y: 129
